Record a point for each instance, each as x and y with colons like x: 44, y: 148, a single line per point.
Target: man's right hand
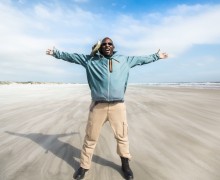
x: 49, y: 52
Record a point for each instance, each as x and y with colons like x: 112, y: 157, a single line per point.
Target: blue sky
x: 187, y: 30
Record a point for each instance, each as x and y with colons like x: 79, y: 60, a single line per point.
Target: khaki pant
x: 99, y: 113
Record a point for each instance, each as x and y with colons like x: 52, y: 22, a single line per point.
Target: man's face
x: 107, y: 47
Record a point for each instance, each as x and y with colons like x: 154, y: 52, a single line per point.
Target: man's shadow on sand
x: 64, y: 151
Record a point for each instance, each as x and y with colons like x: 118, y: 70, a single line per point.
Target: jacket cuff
x: 158, y: 56
x: 55, y: 52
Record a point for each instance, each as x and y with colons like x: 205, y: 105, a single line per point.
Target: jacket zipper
x: 108, y: 79
x: 110, y: 69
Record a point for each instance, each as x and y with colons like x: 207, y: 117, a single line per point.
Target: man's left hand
x: 163, y: 55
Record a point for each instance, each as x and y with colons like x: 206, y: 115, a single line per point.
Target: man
x: 107, y: 75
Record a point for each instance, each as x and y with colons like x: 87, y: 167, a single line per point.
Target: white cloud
x: 43, y: 12
x: 172, y: 31
x: 187, y: 9
x: 80, y: 1
x: 26, y: 34
x: 21, y: 1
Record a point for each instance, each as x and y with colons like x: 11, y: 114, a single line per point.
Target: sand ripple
x: 174, y: 133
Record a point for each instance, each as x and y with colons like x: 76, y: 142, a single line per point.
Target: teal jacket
x: 106, y: 83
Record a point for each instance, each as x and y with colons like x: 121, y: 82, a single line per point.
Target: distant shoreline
x: 36, y: 82
x: 215, y: 85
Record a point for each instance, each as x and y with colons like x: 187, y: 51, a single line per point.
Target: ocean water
x: 208, y: 85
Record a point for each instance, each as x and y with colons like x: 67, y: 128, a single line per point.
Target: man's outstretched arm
x: 70, y: 57
x: 140, y: 60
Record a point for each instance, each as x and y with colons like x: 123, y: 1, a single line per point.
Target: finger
x: 166, y: 55
x: 48, y: 51
x: 158, y: 51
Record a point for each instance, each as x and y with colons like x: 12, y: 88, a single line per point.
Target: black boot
x: 126, y: 169
x: 80, y: 173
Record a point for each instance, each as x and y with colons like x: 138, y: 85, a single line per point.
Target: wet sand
x: 174, y: 133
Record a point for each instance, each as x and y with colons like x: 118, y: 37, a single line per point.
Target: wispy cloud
x: 173, y: 31
x: 80, y: 1
x: 26, y: 33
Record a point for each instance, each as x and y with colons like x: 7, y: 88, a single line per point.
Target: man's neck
x: 109, y: 56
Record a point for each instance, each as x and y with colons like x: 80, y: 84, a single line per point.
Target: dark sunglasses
x: 104, y: 44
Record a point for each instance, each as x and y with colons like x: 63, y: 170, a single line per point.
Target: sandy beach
x: 174, y: 133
